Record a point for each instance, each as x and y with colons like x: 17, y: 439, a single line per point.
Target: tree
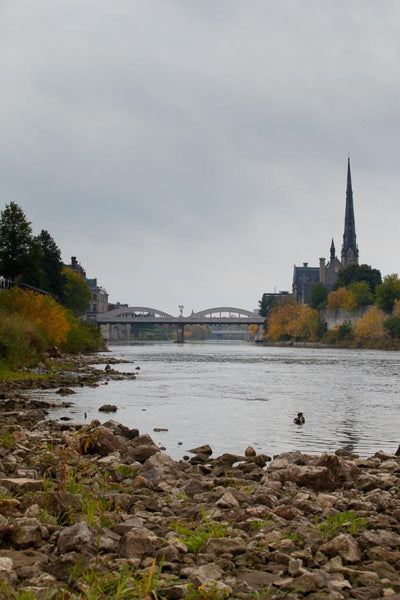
x: 388, y: 292
x: 319, y: 296
x: 361, y: 294
x: 50, y: 264
x: 15, y: 241
x: 354, y: 273
x: 267, y: 302
x: 76, y: 293
x: 371, y: 325
x: 338, y: 298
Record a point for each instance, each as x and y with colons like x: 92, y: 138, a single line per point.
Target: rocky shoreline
x: 98, y: 511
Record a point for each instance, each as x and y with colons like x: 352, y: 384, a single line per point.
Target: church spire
x: 333, y: 251
x: 349, y: 248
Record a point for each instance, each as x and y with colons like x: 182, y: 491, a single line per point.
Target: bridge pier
x: 180, y: 334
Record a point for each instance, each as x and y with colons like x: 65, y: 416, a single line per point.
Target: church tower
x: 349, y: 248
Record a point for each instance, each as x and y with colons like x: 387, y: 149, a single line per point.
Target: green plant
x: 295, y: 537
x: 7, y: 440
x: 195, y: 535
x: 347, y: 521
x: 208, y: 591
x: 258, y: 524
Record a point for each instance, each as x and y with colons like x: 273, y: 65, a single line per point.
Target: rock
x: 380, y: 537
x: 160, y: 429
x: 206, y: 449
x: 65, y: 391
x: 137, y: 543
x: 343, y: 545
x: 108, y: 408
x: 203, y: 574
x: 22, y: 484
x: 228, y: 500
x: 222, y: 545
x: 250, y: 451
x: 142, y: 453
x: 97, y: 440
x: 79, y: 537
x: 27, y: 532
x: 160, y: 467
x: 256, y: 579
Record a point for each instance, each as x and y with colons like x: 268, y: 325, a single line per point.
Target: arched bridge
x: 211, y: 316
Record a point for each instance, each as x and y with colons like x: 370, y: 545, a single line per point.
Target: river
x: 235, y: 394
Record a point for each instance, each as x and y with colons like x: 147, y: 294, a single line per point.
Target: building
x: 305, y: 277
x: 99, y: 296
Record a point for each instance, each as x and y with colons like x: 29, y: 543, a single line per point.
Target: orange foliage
x: 371, y: 325
x: 340, y: 298
x: 49, y: 316
x: 293, y: 320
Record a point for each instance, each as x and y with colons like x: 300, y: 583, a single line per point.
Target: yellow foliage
x: 341, y: 298
x: 371, y: 325
x: 49, y: 316
x: 293, y: 320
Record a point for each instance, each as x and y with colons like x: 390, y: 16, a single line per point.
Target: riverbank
x: 100, y: 512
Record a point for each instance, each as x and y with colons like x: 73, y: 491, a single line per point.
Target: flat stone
x: 22, y: 484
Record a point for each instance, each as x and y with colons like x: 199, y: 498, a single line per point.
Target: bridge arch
x: 134, y: 312
x: 219, y: 310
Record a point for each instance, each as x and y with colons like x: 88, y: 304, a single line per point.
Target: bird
x: 299, y: 420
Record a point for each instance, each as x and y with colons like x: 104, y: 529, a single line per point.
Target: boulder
x: 79, y: 537
x: 228, y: 500
x: 108, y: 408
x: 206, y: 449
x: 138, y: 542
x: 97, y: 440
x: 343, y: 545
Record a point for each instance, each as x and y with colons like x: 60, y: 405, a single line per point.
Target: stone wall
x: 334, y: 317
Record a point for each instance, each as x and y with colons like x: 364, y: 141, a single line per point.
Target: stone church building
x: 305, y: 277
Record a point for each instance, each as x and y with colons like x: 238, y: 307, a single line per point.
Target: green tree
x: 355, y: 273
x: 388, y: 292
x: 319, y: 296
x: 15, y: 241
x: 76, y: 293
x: 50, y: 264
x: 267, y: 302
x: 392, y: 324
x: 361, y: 293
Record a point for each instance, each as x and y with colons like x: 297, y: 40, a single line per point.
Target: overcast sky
x: 192, y: 151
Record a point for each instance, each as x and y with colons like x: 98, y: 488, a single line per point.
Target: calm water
x: 234, y: 394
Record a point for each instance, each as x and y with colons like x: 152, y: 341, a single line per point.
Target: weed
x: 126, y: 471
x: 196, y: 535
x: 101, y: 584
x: 207, y: 591
x: 7, y: 440
x: 257, y: 524
x: 342, y: 521
x: 295, y: 537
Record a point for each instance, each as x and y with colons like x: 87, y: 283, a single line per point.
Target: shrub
x: 82, y: 337
x: 21, y: 342
x: 49, y: 316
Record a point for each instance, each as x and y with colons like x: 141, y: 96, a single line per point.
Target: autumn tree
x: 76, y: 293
x: 354, y: 273
x: 388, y: 293
x: 338, y: 298
x: 15, y: 241
x: 371, y: 327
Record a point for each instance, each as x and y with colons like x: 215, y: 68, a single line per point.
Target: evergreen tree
x: 50, y: 264
x: 15, y: 241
